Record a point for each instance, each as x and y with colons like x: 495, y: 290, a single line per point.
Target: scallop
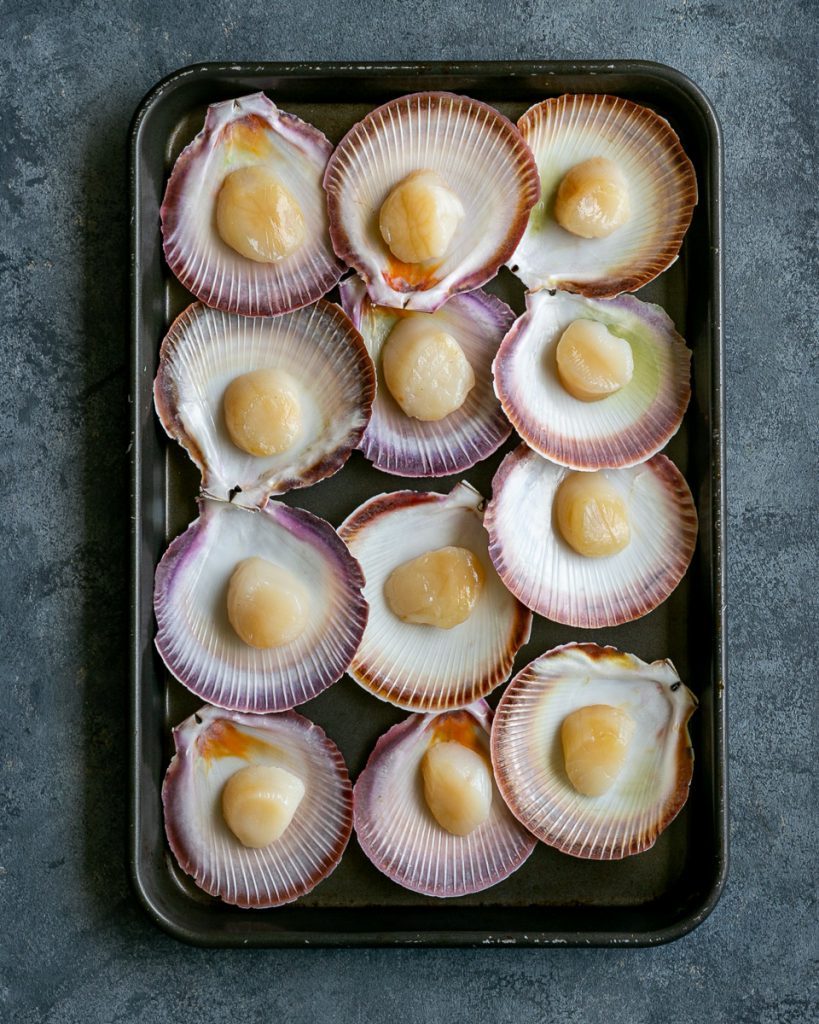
x: 244, y: 219
x: 435, y: 412
x: 427, y: 811
x: 443, y: 630
x: 590, y: 549
x: 617, y: 196
x: 591, y: 750
x: 258, y: 808
x: 264, y: 404
x: 593, y: 383
x: 428, y: 196
x: 258, y: 610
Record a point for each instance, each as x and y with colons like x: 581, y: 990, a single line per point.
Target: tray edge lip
x: 690, y: 919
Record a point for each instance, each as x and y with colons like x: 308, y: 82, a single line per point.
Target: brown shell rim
x: 673, y: 481
x: 671, y: 808
x: 166, y: 401
x: 363, y: 673
x: 664, y: 137
x: 528, y: 194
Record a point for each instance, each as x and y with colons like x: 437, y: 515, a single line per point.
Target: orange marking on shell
x: 410, y: 277
x: 458, y: 727
x: 249, y: 136
x: 223, y: 739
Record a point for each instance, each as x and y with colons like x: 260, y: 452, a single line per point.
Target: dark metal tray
x: 554, y: 899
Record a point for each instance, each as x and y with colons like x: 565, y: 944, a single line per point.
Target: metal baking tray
x: 554, y: 900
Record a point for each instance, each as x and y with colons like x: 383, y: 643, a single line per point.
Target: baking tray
x: 554, y: 900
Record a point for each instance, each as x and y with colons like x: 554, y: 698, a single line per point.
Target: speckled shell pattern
x: 419, y: 667
x: 653, y: 784
x: 195, y: 638
x: 206, y: 349
x: 397, y: 831
x: 622, y: 429
x: 210, y: 747
x: 400, y: 444
x: 238, y: 133
x: 662, y: 185
x: 483, y: 160
x: 549, y: 577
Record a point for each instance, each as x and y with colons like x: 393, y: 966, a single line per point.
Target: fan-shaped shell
x: 424, y: 668
x: 568, y: 130
x: 549, y: 577
x: 652, y: 785
x: 620, y: 430
x: 239, y: 133
x: 195, y: 638
x: 400, y: 444
x: 210, y: 746
x: 398, y: 833
x: 321, y: 351
x: 481, y: 157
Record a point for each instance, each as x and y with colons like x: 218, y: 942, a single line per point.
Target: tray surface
x: 553, y: 899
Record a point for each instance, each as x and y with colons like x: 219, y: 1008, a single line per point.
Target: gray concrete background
x: 75, y: 946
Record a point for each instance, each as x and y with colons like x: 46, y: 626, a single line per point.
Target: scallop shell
x: 483, y: 159
x: 620, y: 430
x: 210, y: 746
x: 567, y: 130
x: 549, y: 577
x: 398, y: 833
x: 237, y: 133
x: 417, y: 667
x: 527, y: 755
x: 206, y: 349
x: 195, y: 638
x: 397, y: 443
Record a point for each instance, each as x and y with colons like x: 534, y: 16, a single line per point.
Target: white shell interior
x: 202, y: 647
x: 207, y: 349
x: 551, y: 577
x: 528, y: 753
x: 418, y: 666
x: 535, y: 392
x: 457, y: 139
x: 288, y: 867
x: 403, y: 839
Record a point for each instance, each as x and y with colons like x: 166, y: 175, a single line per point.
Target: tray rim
x: 594, y: 69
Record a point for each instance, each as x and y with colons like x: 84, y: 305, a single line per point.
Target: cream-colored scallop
x: 257, y: 216
x: 425, y: 369
x: 593, y: 363
x: 263, y: 412
x: 592, y: 199
x: 266, y: 604
x: 259, y: 802
x: 419, y: 218
x: 439, y: 588
x: 595, y: 741
x: 591, y: 515
x: 457, y: 787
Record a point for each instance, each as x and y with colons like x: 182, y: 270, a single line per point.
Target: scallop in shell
x: 244, y: 217
x: 590, y: 549
x: 428, y: 196
x: 264, y: 404
x: 607, y: 159
x: 258, y: 610
x: 402, y: 797
x: 261, y: 777
x: 633, y: 363
x: 560, y: 725
x: 443, y: 630
x: 407, y: 445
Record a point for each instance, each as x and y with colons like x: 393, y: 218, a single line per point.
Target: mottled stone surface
x: 75, y: 945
